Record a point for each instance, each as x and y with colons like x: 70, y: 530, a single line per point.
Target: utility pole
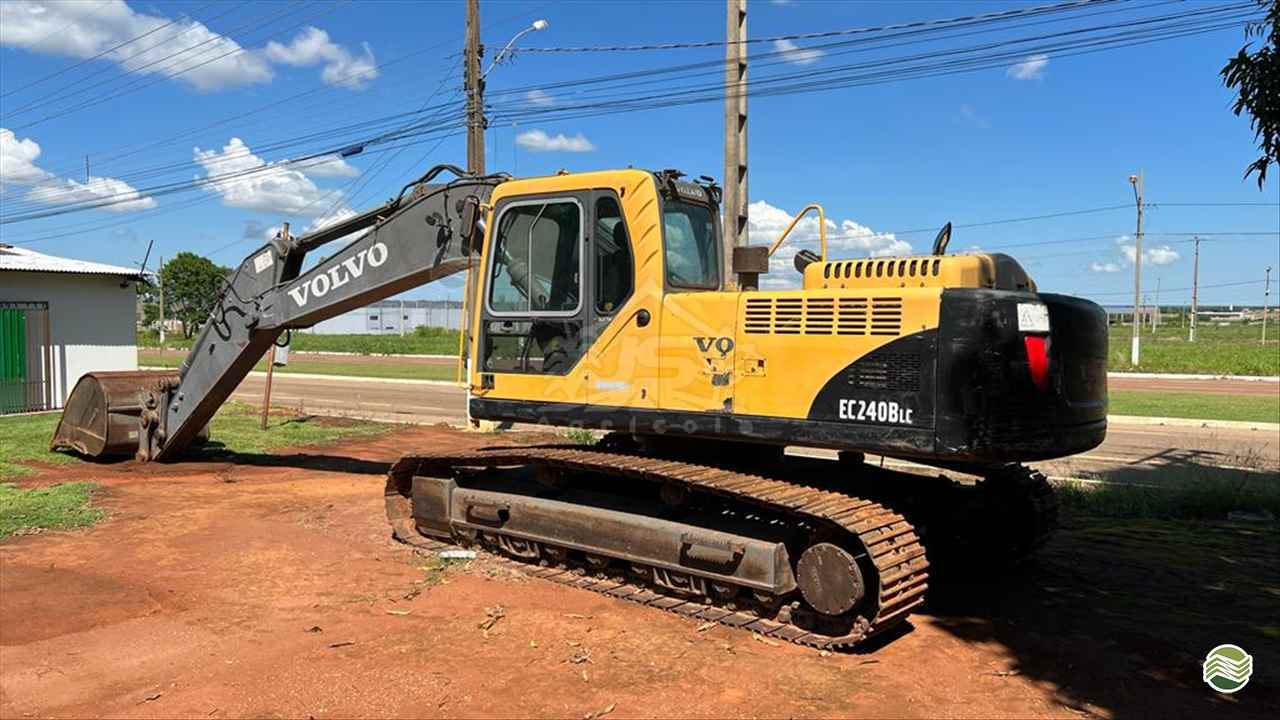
x: 160, y: 277
x: 1195, y: 290
x: 1135, y: 351
x: 271, y: 354
x: 475, y: 90
x: 735, y: 133
x: 1266, y: 300
x: 1155, y: 318
x: 474, y: 81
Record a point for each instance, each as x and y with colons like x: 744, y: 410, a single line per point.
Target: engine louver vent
x: 898, y: 372
x: 823, y: 316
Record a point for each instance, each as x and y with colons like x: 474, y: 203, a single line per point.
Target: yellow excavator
x: 602, y: 301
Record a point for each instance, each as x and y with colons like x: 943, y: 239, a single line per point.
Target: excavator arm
x: 428, y: 232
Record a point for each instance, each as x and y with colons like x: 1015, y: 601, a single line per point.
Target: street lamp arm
x: 506, y: 50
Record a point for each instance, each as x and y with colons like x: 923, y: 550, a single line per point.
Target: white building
x: 393, y: 317
x: 59, y: 319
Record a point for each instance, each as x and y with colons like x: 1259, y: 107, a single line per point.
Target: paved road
x: 1131, y: 452
x: 1216, y: 386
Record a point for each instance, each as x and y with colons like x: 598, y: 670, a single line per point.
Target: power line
x: 143, y: 83
x: 1005, y: 14
x: 109, y: 50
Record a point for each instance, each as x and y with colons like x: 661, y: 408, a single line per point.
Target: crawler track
x: 888, y: 542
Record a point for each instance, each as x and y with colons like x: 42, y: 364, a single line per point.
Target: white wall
x: 91, y: 319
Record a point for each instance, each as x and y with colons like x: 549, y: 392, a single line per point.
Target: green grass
x: 1228, y: 350
x: 24, y: 440
x: 1209, y: 497
x: 56, y: 507
x: 1249, y: 408
x: 422, y: 341
x: 301, y: 364
x: 236, y: 429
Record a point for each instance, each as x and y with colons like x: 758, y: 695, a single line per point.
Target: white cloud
x: 327, y: 166
x: 540, y: 98
x: 86, y: 29
x: 17, y: 167
x: 844, y: 239
x: 123, y: 196
x: 1031, y: 68
x: 275, y: 188
x: 1159, y: 255
x: 17, y: 160
x: 338, y: 215
x: 1162, y: 255
x: 312, y: 46
x: 539, y: 141
x: 795, y: 54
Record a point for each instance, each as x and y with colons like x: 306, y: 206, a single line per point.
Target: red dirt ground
x: 268, y: 586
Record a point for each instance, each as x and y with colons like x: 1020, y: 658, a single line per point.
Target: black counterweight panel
x: 892, y: 385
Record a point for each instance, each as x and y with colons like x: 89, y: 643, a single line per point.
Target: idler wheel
x: 829, y: 579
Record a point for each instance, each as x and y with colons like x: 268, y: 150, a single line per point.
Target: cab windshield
x: 690, y: 245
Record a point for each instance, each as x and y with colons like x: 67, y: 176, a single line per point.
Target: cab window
x: 536, y: 266
x: 612, y: 257
x: 689, y: 245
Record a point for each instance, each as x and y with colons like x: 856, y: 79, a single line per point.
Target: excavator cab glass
x: 690, y: 245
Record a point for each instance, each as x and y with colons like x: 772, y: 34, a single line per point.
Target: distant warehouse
x: 394, y: 317
x: 59, y: 319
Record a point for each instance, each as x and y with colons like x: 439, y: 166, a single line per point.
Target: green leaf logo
x: 1227, y: 668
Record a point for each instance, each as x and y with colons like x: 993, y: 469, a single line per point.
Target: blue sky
x: 1042, y: 133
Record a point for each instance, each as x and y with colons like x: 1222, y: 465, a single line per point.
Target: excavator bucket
x: 101, y: 415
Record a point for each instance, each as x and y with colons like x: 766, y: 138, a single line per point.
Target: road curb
x: 1193, y: 376
x: 1193, y: 422
x: 334, y: 378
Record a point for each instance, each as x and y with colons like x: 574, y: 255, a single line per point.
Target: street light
x: 537, y: 25
x: 1136, y: 182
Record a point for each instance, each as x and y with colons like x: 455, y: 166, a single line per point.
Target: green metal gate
x: 25, y: 357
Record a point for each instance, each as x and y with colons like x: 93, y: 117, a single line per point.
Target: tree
x: 1256, y: 77
x: 192, y: 284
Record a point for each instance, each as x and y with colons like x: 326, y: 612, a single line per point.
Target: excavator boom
x: 424, y: 234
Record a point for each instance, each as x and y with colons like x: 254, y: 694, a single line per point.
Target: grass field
x: 152, y: 357
x: 56, y: 507
x: 1247, y: 408
x: 1230, y: 350
x: 24, y: 440
x: 422, y: 341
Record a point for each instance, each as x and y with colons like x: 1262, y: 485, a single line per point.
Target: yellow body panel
x: 791, y: 342
x: 697, y: 351
x: 759, y: 353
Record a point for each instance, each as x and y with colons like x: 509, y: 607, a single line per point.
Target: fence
x: 26, y: 358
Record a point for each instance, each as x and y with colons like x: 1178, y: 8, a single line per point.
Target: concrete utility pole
x: 1195, y: 290
x: 475, y: 90
x: 1266, y: 300
x: 1134, y: 353
x: 1155, y: 318
x: 160, y: 281
x: 735, y: 133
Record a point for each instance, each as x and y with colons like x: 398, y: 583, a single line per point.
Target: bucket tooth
x: 102, y: 415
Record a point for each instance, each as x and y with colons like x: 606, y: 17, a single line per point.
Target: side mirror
x: 472, y: 224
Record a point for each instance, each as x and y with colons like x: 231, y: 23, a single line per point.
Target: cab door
x: 535, y: 314
x: 623, y: 358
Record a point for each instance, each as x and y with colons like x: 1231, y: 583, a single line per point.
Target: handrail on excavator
x: 822, y: 229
